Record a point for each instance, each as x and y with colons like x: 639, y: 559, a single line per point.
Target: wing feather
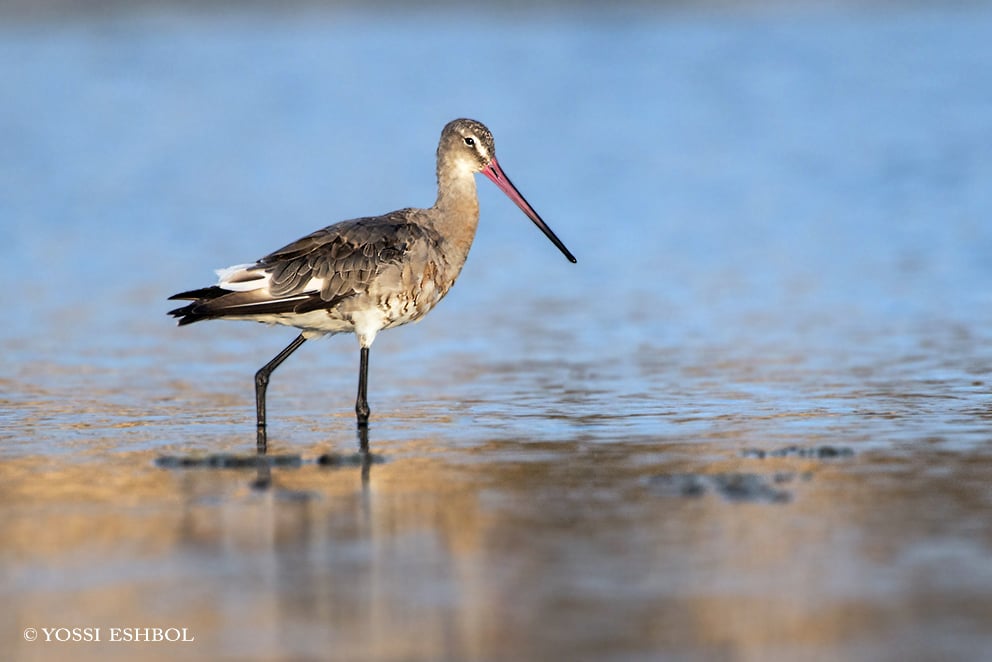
x: 315, y: 272
x: 345, y: 257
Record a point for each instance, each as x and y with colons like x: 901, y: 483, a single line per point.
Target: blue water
x: 782, y: 224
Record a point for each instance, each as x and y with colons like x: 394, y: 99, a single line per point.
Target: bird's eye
x: 470, y: 141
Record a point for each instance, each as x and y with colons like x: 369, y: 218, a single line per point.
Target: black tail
x: 213, y: 302
x: 200, y: 308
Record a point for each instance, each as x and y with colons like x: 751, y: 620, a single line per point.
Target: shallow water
x: 751, y: 423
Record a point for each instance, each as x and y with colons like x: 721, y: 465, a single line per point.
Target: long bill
x: 497, y: 177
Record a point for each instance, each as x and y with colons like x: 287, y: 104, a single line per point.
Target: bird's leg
x: 362, y: 402
x: 262, y: 382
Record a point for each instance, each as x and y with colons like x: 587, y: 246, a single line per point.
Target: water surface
x: 751, y: 423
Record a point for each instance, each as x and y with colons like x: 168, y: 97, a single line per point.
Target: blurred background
x: 781, y: 213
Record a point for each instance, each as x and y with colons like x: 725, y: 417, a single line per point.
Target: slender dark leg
x: 362, y: 402
x: 262, y: 382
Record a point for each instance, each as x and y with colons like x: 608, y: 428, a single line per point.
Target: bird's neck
x: 456, y: 211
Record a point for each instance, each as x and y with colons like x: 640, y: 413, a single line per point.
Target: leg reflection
x: 263, y: 462
x: 263, y: 469
x: 363, y: 453
x: 363, y: 458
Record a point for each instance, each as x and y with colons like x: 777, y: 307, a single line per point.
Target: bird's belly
x: 400, y: 310
x: 363, y: 315
x: 313, y: 323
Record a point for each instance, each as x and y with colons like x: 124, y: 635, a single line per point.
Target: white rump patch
x: 245, y: 278
x: 242, y: 278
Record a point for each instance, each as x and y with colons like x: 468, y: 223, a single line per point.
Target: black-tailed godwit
x: 367, y: 274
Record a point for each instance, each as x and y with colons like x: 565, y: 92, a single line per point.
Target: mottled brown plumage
x: 366, y: 274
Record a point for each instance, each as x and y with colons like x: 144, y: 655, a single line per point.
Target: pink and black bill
x: 499, y: 178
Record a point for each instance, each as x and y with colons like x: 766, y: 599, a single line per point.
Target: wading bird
x: 366, y: 274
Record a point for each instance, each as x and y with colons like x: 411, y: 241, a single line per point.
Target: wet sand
x: 509, y: 549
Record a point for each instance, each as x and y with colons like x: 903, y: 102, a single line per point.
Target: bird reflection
x: 264, y: 463
x: 363, y: 459
x: 263, y: 471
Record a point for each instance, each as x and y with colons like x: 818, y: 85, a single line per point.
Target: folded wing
x: 315, y: 272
